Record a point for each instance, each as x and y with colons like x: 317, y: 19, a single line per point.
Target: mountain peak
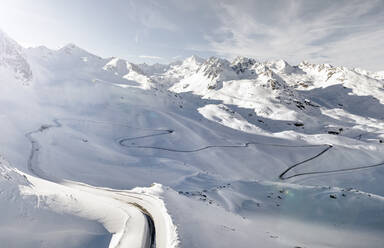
x: 282, y: 66
x: 117, y: 66
x: 216, y: 62
x: 5, y: 39
x: 242, y: 64
x: 12, y: 57
x: 242, y: 60
x: 70, y: 45
x: 194, y: 59
x: 72, y: 48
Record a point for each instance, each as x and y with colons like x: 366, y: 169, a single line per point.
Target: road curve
x: 32, y: 167
x: 159, y: 132
x: 138, y: 201
x: 282, y: 176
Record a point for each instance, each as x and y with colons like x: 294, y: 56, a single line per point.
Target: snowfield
x: 100, y: 152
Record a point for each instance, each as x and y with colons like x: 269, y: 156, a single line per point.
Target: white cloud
x: 149, y: 57
x: 151, y: 14
x: 338, y: 32
x: 345, y: 32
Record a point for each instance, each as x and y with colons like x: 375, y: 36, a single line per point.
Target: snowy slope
x: 12, y: 59
x: 214, y: 153
x: 129, y: 71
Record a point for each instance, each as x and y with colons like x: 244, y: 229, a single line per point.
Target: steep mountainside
x: 12, y: 58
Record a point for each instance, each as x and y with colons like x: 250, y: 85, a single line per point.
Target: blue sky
x: 349, y: 32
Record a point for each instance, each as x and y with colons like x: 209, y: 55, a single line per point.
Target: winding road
x: 282, y: 176
x: 160, y: 132
x: 149, y: 242
x: 137, y: 201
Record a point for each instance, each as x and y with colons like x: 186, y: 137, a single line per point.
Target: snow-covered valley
x: 100, y: 152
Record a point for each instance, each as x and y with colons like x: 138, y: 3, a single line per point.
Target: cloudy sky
x: 349, y: 32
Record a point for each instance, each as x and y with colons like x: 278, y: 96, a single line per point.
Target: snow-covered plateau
x: 100, y: 152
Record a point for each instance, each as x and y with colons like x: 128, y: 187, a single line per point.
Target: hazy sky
x: 346, y: 32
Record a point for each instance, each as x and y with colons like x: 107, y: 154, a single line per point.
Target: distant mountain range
x: 102, y: 152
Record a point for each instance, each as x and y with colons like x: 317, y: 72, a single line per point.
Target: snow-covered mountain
x: 102, y: 152
x: 128, y: 71
x: 12, y: 58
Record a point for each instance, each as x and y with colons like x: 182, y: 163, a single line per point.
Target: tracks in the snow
x: 127, y: 142
x: 35, y: 148
x: 32, y: 161
x: 122, y: 142
x: 283, y: 176
x: 160, y: 132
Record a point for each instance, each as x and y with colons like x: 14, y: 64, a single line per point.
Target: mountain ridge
x: 199, y: 153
